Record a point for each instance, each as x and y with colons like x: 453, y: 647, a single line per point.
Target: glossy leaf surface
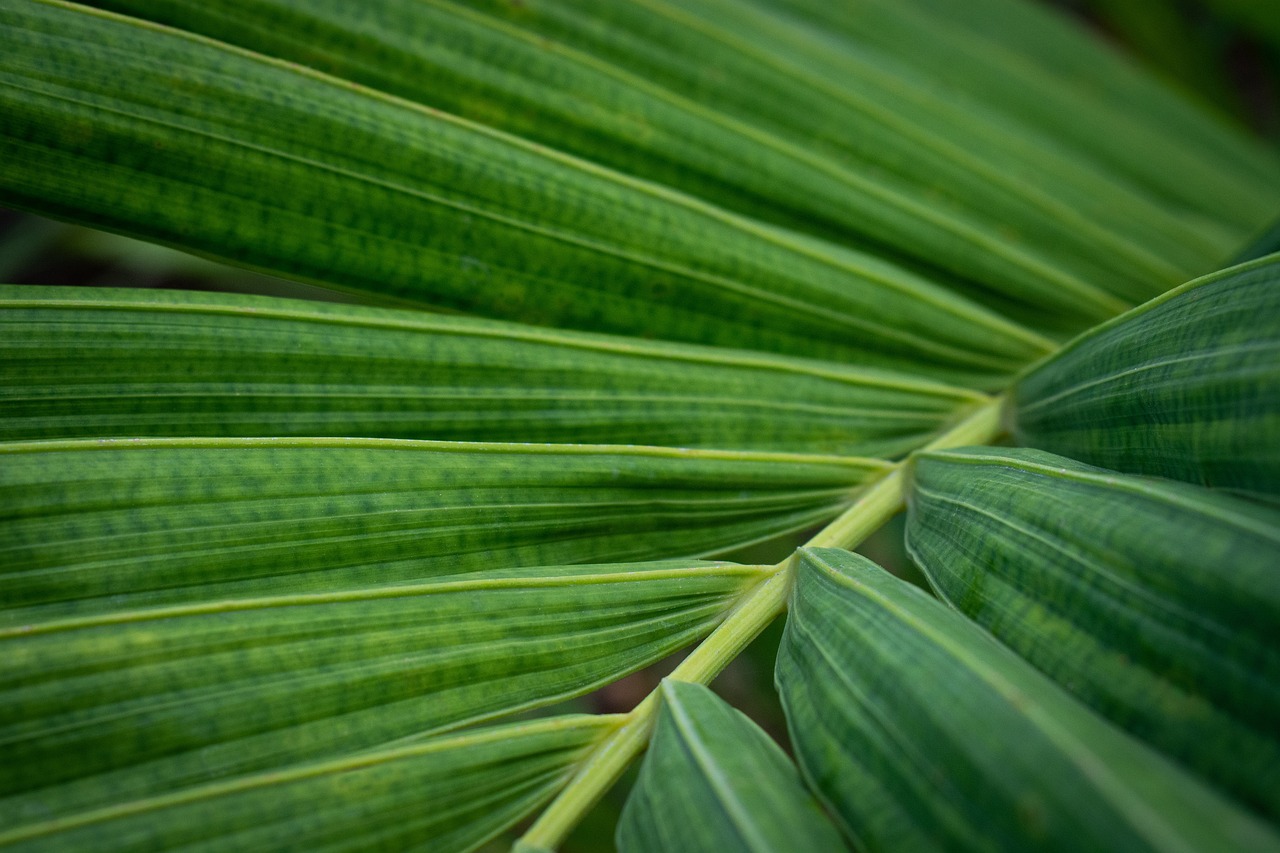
x: 1155, y: 602
x: 1186, y: 386
x: 138, y: 702
x: 273, y: 166
x: 120, y: 524
x: 921, y: 733
x: 776, y: 120
x: 712, y: 780
x: 474, y: 784
x: 93, y: 363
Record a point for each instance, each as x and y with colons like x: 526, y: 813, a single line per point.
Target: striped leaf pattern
x: 89, y: 363
x: 477, y: 784
x: 1186, y: 386
x: 1156, y: 602
x: 713, y: 780
x: 920, y: 733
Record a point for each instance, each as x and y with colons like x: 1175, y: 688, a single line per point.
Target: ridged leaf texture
x: 474, y: 785
x: 712, y: 780
x: 1156, y: 602
x: 90, y: 363
x: 776, y: 119
x: 922, y: 733
x: 704, y: 273
x: 116, y: 524
x: 1186, y: 386
x: 370, y: 192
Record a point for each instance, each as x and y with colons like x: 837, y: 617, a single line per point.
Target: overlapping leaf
x: 447, y: 793
x: 713, y: 781
x: 922, y: 733
x: 1026, y: 64
x: 1186, y: 386
x: 132, y: 703
x: 1156, y: 602
x: 127, y: 523
x: 775, y: 120
x: 90, y: 363
x: 274, y: 166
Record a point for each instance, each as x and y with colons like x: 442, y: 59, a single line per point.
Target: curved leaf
x: 1048, y: 74
x: 1155, y: 602
x: 121, y: 524
x: 475, y: 784
x: 274, y: 166
x: 94, y: 362
x: 713, y: 781
x: 792, y: 129
x: 1186, y: 386
x: 134, y: 703
x: 921, y: 733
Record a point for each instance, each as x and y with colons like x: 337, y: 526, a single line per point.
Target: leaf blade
x: 1154, y: 602
x: 920, y: 731
x: 713, y: 780
x: 86, y: 363
x: 1186, y: 386
x: 362, y: 190
x: 479, y: 783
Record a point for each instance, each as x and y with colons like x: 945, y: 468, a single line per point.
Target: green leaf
x: 1044, y: 73
x: 93, y: 362
x: 121, y: 524
x: 277, y: 167
x: 1186, y: 386
x: 133, y: 703
x: 790, y: 129
x: 447, y: 793
x: 713, y: 781
x: 921, y: 733
x: 1158, y: 603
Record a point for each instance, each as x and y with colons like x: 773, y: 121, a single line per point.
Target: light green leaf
x: 118, y: 703
x: 713, y: 781
x: 921, y: 733
x: 121, y: 524
x: 277, y: 167
x: 1158, y: 603
x: 92, y: 362
x: 793, y: 129
x: 1186, y: 386
x: 447, y: 793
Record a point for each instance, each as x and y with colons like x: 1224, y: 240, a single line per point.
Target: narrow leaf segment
x: 274, y: 166
x: 95, y: 362
x: 1156, y: 602
x: 131, y: 704
x: 1186, y: 386
x: 713, y: 781
x: 475, y: 785
x: 920, y: 733
x: 123, y: 524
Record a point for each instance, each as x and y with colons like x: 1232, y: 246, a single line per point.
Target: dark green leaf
x: 94, y: 362
x: 713, y: 781
x: 114, y: 703
x: 447, y: 793
x: 774, y: 120
x: 1156, y: 602
x: 186, y: 141
x: 121, y: 524
x: 922, y: 733
x: 1186, y: 386
x: 1061, y: 82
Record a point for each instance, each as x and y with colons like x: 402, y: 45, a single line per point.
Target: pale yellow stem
x: 876, y: 505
